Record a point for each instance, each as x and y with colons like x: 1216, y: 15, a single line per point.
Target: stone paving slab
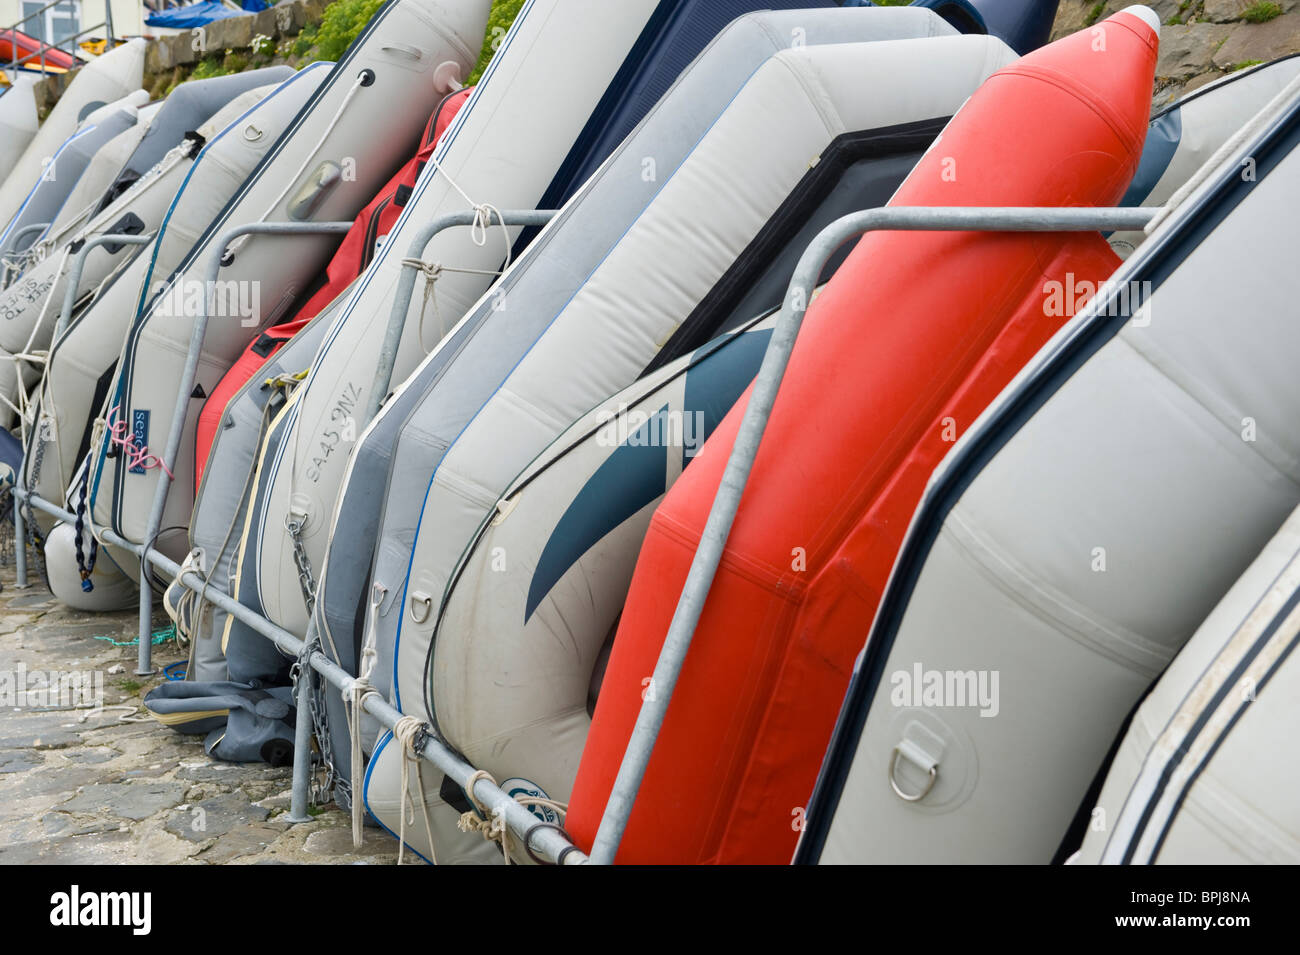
x: 116, y: 787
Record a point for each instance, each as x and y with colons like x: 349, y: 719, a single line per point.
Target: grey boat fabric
x: 536, y: 100
x: 104, y: 80
x: 69, y: 161
x: 221, y: 509
x: 1198, y: 778
x: 336, y: 154
x: 544, y: 279
x: 81, y: 363
x: 505, y: 396
x: 184, y: 109
x: 1081, y: 531
x: 1183, y: 137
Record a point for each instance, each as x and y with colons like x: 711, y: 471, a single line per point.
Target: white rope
x: 355, y: 702
x: 491, y: 823
x: 307, y: 160
x: 405, y: 731
x: 432, y: 271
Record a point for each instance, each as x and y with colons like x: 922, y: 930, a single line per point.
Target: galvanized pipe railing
x: 546, y: 841
x: 79, y: 266
x: 406, y: 288
x: 749, y: 436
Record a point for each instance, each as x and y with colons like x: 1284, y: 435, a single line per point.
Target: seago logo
x: 74, y: 908
x: 140, y: 434
x: 514, y: 788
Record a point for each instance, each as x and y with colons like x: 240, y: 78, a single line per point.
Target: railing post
x: 20, y: 541
x: 406, y: 288
x: 172, y: 448
x: 750, y: 434
x: 79, y: 265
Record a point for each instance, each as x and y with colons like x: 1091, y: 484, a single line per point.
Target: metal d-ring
x: 898, y: 790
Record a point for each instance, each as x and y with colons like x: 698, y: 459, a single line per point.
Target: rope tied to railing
x: 410, y: 732
x: 491, y: 823
x: 355, y: 701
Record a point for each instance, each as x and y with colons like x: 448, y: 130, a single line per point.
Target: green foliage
x: 208, y: 67
x: 1262, y: 12
x: 503, y: 14
x: 343, y: 21
x: 1244, y: 65
x: 1095, y: 13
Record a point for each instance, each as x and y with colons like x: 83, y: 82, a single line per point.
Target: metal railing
x: 550, y: 842
x: 106, y: 26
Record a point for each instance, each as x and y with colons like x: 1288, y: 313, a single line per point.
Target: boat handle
x: 918, y: 757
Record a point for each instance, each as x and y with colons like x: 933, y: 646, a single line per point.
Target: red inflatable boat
x: 18, y: 46
x: 354, y: 254
x: 913, y: 337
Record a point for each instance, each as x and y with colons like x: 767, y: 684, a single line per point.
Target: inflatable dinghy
x: 619, y: 340
x: 544, y: 278
x: 541, y: 584
x: 41, y: 206
x: 108, y: 78
x: 347, y: 142
x: 1052, y: 551
x: 32, y: 304
x: 534, y: 100
x: 897, y: 362
x: 82, y: 361
x: 355, y: 253
x: 100, y: 172
x: 1198, y: 778
x: 1184, y: 136
x: 18, y: 121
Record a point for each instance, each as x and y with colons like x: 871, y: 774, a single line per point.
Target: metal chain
x: 33, y: 537
x: 322, y: 772
x: 305, y: 579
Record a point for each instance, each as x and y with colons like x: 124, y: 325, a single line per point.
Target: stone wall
x: 224, y: 46
x: 1202, y: 40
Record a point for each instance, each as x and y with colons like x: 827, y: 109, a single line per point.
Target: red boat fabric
x: 353, y: 256
x: 24, y: 45
x: 910, y: 341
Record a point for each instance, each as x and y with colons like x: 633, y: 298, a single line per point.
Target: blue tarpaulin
x: 198, y: 14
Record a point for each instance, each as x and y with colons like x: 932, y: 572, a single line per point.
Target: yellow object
x: 94, y: 47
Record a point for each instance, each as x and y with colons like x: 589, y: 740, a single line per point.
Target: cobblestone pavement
x: 86, y: 788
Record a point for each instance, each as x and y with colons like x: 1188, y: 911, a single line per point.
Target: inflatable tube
x: 797, y: 585
x: 1184, y: 136
x: 356, y: 252
x: 615, y: 350
x: 192, y: 103
x: 45, y: 200
x: 611, y: 327
x: 32, y: 304
x: 540, y: 586
x: 214, y: 539
x: 534, y: 100
x: 82, y: 362
x: 367, y: 117
x: 18, y: 121
x: 1046, y: 553
x: 574, y: 244
x: 108, y: 78
x: 111, y: 587
x: 100, y: 172
x: 1197, y: 778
